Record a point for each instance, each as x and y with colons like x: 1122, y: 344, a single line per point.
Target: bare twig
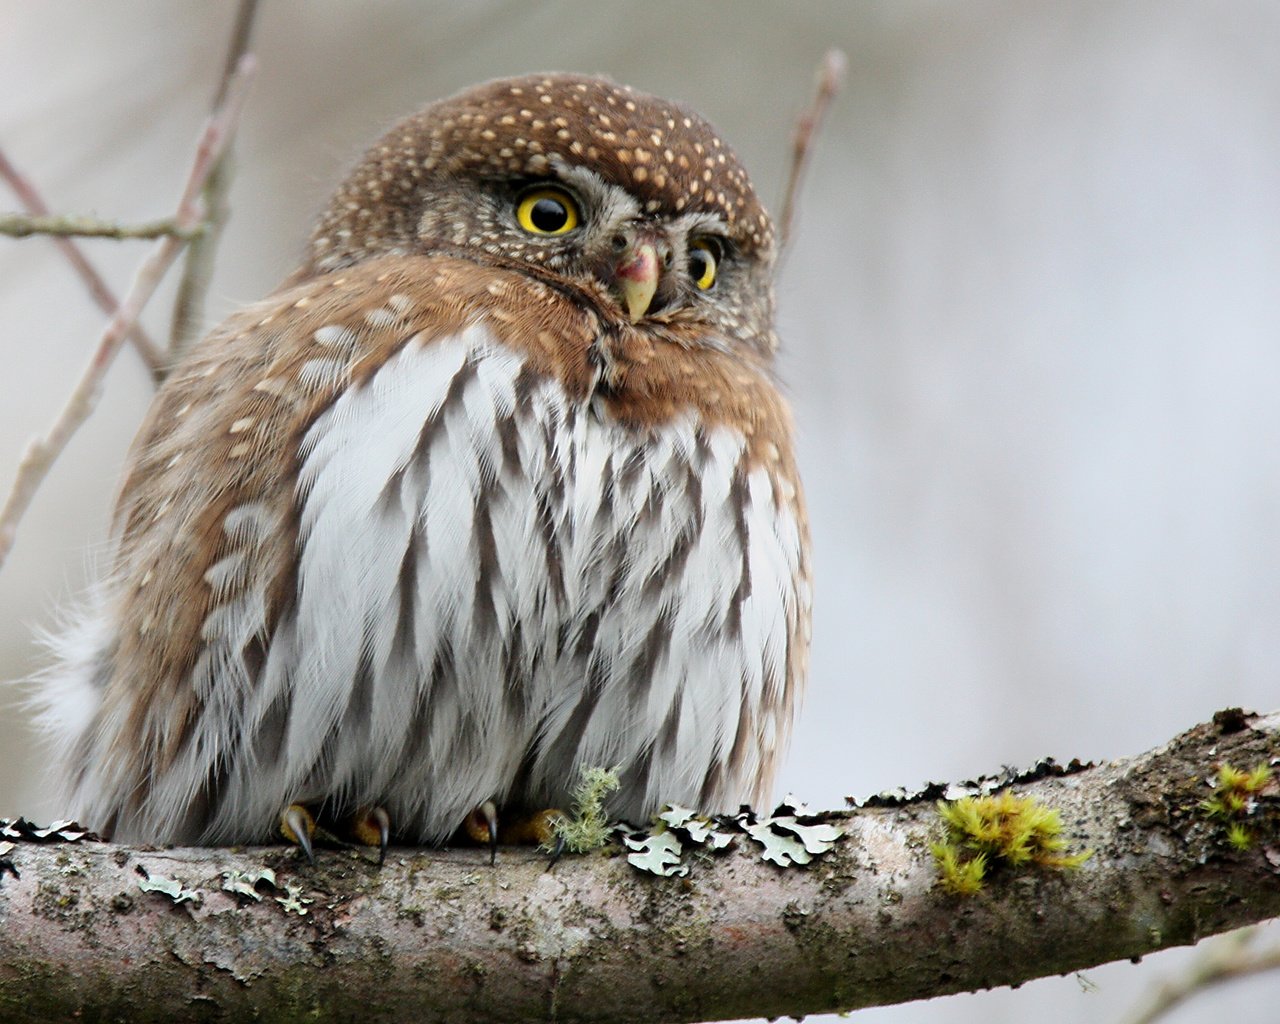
x: 17, y: 225
x: 830, y: 76
x: 1226, y: 959
x: 102, y: 294
x: 42, y: 452
x: 197, y: 272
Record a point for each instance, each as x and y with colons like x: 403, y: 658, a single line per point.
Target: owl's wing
x: 153, y: 682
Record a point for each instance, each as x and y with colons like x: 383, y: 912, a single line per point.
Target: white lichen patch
x: 658, y: 853
x: 293, y: 901
x: 172, y: 888
x: 245, y: 883
x: 784, y: 838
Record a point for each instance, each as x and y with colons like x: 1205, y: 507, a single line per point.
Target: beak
x: 637, y: 276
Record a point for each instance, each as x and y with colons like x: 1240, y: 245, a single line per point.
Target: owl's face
x: 632, y: 200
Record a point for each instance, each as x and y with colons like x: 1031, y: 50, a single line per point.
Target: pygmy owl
x: 498, y: 484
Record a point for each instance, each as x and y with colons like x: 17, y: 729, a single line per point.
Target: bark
x: 439, y: 935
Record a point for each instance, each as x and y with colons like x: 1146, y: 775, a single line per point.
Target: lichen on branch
x: 739, y: 936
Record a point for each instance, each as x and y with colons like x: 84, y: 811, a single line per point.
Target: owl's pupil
x: 548, y: 215
x: 698, y: 264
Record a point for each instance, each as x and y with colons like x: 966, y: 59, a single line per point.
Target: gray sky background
x: 1032, y: 329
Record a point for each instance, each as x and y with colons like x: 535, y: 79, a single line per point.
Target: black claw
x: 490, y: 813
x: 383, y: 819
x: 296, y: 818
x: 557, y: 848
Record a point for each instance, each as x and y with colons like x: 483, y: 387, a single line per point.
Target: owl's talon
x: 557, y: 848
x: 372, y: 827
x: 481, y: 828
x: 298, y: 825
x: 536, y: 829
x: 540, y: 829
x: 490, y: 813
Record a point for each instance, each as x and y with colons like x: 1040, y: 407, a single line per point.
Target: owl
x: 497, y: 485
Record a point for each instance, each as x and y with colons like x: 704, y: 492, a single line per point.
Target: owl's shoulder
x: 359, y: 316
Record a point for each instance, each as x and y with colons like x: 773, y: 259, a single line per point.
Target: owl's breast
x: 459, y: 494
x: 485, y: 554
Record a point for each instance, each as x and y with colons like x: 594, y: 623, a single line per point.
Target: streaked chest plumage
x: 498, y: 584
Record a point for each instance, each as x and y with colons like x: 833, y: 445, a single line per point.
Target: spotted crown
x: 668, y: 157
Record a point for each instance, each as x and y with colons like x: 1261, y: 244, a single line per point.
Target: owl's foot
x: 481, y: 827
x: 371, y: 826
x: 298, y: 825
x: 538, y: 828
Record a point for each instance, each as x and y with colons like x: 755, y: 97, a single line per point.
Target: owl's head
x: 631, y: 199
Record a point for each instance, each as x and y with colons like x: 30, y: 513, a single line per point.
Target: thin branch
x: 829, y: 78
x: 1226, y: 959
x: 439, y: 935
x: 41, y: 452
x: 197, y: 272
x: 102, y: 294
x: 16, y: 225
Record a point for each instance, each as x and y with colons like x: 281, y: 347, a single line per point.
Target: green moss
x: 1235, y: 793
x: 588, y: 827
x: 959, y: 875
x: 1234, y: 789
x: 1239, y: 837
x: 986, y: 832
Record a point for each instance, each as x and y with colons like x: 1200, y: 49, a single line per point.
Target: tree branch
x: 16, y: 225
x: 101, y: 293
x: 829, y: 78
x: 42, y: 452
x: 197, y: 272
x: 1226, y: 959
x: 441, y: 936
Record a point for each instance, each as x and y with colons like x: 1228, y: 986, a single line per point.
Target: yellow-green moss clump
x: 985, y: 832
x: 588, y: 828
x: 1235, y: 793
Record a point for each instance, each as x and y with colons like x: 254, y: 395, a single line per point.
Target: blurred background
x: 1031, y: 317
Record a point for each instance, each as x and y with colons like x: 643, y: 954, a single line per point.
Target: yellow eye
x: 547, y: 211
x: 702, y: 263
